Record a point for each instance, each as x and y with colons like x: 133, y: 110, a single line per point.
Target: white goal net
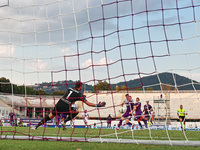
x: 147, y: 48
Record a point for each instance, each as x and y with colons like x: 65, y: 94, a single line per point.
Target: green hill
x: 183, y: 83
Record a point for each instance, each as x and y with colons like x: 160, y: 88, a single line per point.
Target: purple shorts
x: 147, y: 116
x: 109, y: 121
x: 138, y: 116
x: 127, y: 115
x: 58, y: 117
x: 63, y: 115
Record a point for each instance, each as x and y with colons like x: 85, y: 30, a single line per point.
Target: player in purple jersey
x: 63, y: 123
x: 147, y: 112
x: 138, y: 113
x: 57, y: 120
x: 130, y: 108
x: 64, y: 104
x: 109, y: 119
x: 65, y: 117
x: 11, y: 117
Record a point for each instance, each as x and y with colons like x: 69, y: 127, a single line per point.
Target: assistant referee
x: 181, y: 114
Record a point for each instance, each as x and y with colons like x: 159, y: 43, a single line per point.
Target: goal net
x: 148, y: 49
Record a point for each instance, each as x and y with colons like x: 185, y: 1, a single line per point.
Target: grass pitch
x: 104, y: 133
x: 58, y: 145
x: 92, y: 133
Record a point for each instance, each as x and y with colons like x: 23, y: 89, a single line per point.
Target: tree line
x: 105, y: 86
x: 7, y: 87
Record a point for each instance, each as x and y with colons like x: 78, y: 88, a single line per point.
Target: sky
x: 92, y: 40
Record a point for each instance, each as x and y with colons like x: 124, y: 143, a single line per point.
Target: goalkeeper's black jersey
x: 73, y: 95
x: 64, y: 104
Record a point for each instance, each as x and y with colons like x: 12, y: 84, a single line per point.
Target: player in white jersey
x: 75, y: 108
x: 2, y: 119
x: 85, y: 117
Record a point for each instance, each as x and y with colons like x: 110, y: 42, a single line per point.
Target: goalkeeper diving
x: 64, y: 105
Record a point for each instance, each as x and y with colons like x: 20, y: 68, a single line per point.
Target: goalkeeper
x: 181, y: 114
x: 64, y: 104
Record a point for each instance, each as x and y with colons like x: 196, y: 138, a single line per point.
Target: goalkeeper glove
x: 101, y: 104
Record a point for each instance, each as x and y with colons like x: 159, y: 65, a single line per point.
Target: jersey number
x: 69, y: 94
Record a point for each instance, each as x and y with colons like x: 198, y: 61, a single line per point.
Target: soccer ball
x: 122, y: 110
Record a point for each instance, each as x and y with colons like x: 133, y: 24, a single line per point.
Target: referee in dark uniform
x: 64, y: 104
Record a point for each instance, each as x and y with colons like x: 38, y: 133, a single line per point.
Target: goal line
x: 106, y: 140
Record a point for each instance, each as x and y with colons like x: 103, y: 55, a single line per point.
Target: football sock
x: 181, y: 124
x: 145, y: 122
x: 71, y: 116
x: 120, y: 123
x: 140, y: 124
